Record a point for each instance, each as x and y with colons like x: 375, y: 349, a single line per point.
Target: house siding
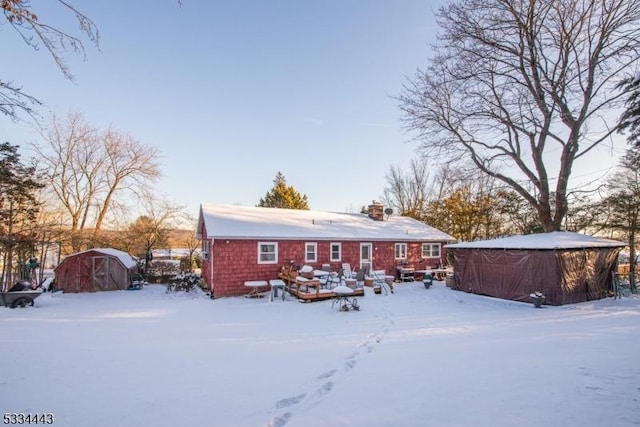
x: 231, y: 262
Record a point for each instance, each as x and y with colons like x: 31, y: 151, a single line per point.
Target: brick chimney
x: 376, y: 211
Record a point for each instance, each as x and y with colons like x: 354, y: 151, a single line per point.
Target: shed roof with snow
x: 125, y: 258
x: 552, y: 240
x: 98, y: 269
x: 244, y: 222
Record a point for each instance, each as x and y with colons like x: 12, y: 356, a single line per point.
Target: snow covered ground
x: 419, y: 357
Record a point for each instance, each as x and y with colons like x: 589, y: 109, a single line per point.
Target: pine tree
x: 283, y: 196
x: 630, y: 120
x: 18, y: 209
x: 623, y: 202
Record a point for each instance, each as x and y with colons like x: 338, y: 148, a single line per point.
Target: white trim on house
x: 400, y: 251
x: 313, y: 252
x: 339, y: 247
x: 265, y: 257
x: 366, y: 256
x: 430, y: 253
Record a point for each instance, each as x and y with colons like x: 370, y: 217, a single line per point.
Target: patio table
x: 345, y: 303
x: 255, y: 285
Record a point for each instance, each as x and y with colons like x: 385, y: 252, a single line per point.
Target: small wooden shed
x: 101, y: 269
x: 566, y: 267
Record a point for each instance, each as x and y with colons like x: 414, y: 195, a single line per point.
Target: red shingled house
x: 241, y: 243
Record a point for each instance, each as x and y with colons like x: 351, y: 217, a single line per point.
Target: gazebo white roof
x: 552, y: 240
x: 244, y: 222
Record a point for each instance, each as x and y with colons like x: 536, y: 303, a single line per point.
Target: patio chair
x: 379, y: 279
x: 333, y: 280
x: 346, y: 269
x: 361, y: 274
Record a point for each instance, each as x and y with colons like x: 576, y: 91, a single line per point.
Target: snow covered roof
x: 238, y: 222
x: 552, y: 240
x: 124, y: 257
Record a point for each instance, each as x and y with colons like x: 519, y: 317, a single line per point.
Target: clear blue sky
x: 234, y: 91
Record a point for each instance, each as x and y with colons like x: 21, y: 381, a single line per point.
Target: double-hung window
x: 267, y: 252
x: 206, y: 248
x: 431, y: 250
x: 310, y: 252
x: 336, y: 252
x: 401, y: 251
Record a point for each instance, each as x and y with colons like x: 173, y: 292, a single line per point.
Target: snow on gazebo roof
x: 248, y: 222
x: 551, y: 240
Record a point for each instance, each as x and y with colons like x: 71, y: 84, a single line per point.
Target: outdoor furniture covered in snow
x: 380, y: 281
x: 255, y: 286
x: 313, y: 289
x: 277, y: 284
x: 406, y: 274
x: 306, y: 271
x: 346, y: 269
x: 344, y: 299
x: 427, y: 279
x: 329, y: 280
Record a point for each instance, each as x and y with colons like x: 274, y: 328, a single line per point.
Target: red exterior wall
x: 92, y: 271
x: 232, y: 262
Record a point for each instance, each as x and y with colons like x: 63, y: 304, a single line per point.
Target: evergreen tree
x: 283, y: 196
x: 623, y: 203
x: 18, y: 210
x: 630, y: 120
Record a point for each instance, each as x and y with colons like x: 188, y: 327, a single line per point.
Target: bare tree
x: 623, y: 203
x: 407, y: 192
x: 87, y: 169
x: 129, y: 165
x: 517, y: 86
x: 20, y: 16
x: 152, y: 229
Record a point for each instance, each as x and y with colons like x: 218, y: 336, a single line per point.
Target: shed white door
x: 366, y: 255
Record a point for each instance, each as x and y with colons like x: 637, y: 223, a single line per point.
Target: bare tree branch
x: 518, y: 85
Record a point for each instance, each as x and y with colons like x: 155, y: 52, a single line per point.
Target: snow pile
x: 418, y: 357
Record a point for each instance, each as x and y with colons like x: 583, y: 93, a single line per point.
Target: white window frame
x: 339, y: 245
x: 402, y: 248
x: 206, y: 248
x: 274, y: 253
x: 313, y: 245
x: 428, y: 252
x: 366, y: 249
